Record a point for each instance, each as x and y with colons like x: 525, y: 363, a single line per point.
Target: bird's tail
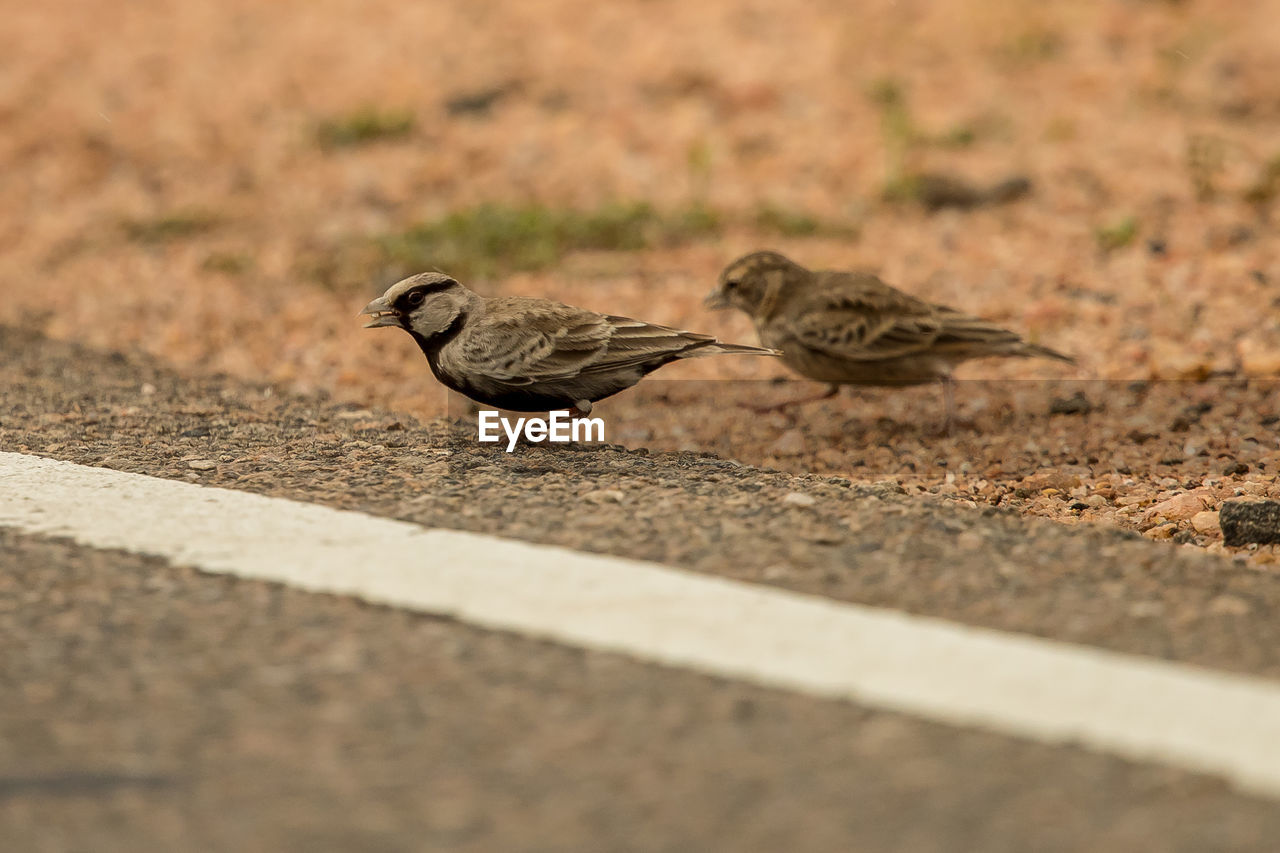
x: 718, y: 348
x: 1029, y: 350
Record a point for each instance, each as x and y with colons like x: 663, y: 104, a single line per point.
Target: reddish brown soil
x: 1163, y: 112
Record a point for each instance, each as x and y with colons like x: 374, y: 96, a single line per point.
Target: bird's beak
x: 383, y: 314
x: 716, y: 301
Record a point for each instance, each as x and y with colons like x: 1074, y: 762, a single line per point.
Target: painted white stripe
x: 1135, y: 707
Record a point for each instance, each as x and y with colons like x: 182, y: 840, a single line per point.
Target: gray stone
x: 1245, y: 522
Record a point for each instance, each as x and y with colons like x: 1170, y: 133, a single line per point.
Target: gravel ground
x: 169, y: 190
x: 872, y: 544
x: 156, y: 708
x: 1153, y: 457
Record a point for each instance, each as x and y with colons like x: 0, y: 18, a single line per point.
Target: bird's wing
x: 856, y: 316
x: 635, y: 342
x: 523, y: 341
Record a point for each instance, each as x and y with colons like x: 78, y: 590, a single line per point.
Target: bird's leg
x: 831, y: 391
x: 948, y: 402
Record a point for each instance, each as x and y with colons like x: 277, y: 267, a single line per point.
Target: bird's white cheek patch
x: 558, y: 427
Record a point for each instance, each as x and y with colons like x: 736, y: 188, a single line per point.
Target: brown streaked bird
x: 850, y: 328
x: 531, y: 355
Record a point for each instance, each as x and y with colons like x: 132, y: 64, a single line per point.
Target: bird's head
x: 753, y: 281
x: 425, y: 305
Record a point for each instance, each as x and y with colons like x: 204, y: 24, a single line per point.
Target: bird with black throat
x: 532, y: 355
x: 851, y: 328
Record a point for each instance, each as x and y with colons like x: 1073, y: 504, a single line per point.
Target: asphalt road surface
x: 154, y: 707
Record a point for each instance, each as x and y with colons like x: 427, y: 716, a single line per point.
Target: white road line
x: 1135, y: 707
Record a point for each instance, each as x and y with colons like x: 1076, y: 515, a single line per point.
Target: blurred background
x: 223, y: 185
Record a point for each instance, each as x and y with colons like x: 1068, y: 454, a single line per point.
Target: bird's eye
x: 732, y: 284
x: 415, y: 299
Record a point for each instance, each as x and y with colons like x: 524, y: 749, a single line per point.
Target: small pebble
x: 1246, y: 522
x: 1178, y: 508
x: 1205, y: 522
x: 202, y: 464
x: 790, y: 443
x: 1229, y: 605
x: 602, y: 496
x: 1076, y: 404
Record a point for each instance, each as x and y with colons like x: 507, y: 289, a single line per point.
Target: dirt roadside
x: 822, y: 535
x: 223, y: 187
